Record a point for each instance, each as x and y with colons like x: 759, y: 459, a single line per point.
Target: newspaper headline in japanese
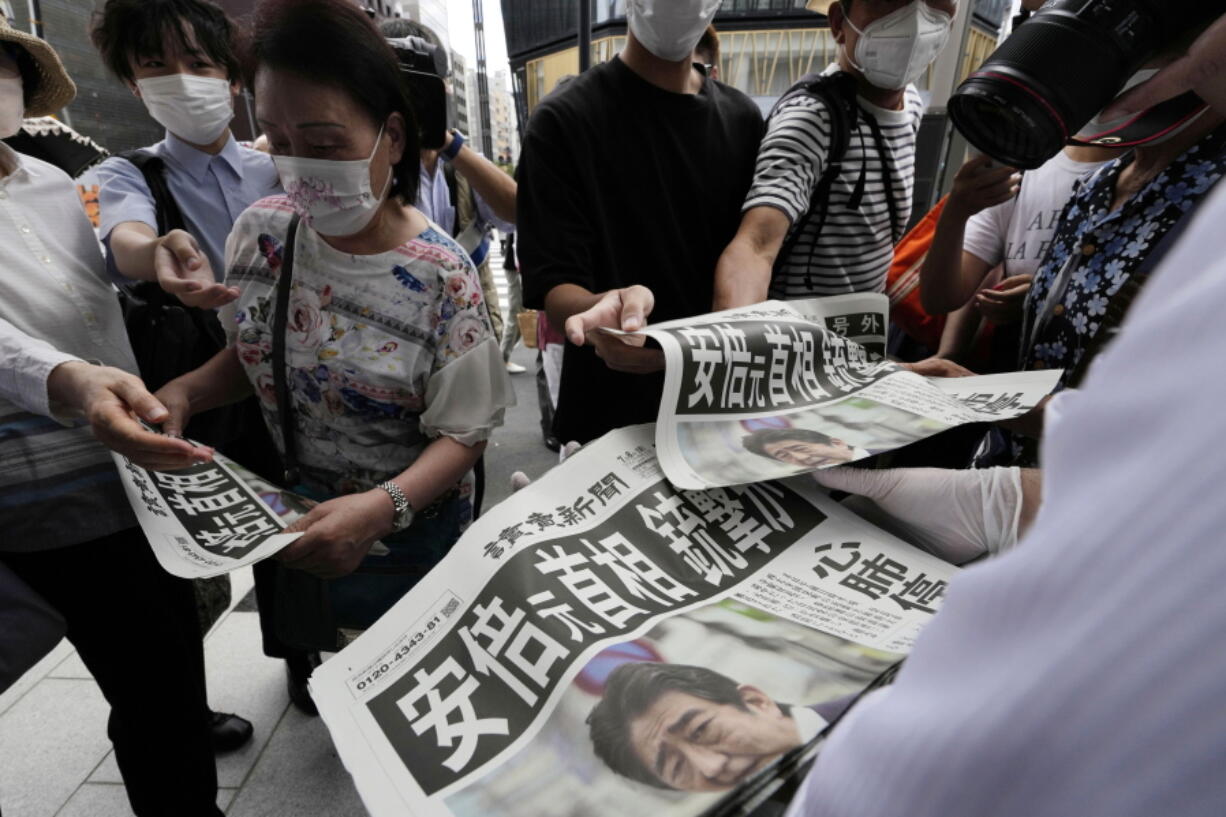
x: 211, y: 518
x: 779, y: 389
x: 603, y: 643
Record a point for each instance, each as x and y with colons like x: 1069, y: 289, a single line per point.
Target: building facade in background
x: 474, y: 133
x: 105, y: 109
x: 503, y: 121
x: 459, y: 92
x: 431, y: 13
x: 765, y: 45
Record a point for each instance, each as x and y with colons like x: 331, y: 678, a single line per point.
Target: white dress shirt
x: 1083, y: 673
x: 56, y: 305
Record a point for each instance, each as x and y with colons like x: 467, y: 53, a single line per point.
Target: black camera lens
x: 1060, y: 69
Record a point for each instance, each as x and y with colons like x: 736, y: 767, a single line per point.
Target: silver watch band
x: 402, y: 511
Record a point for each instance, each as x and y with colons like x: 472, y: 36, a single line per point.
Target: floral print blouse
x: 384, y: 352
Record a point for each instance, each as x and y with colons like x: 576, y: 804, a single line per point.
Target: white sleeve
x: 466, y: 399
x: 987, y: 232
x: 28, y: 363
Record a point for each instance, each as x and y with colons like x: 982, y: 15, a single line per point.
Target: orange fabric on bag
x: 902, y: 282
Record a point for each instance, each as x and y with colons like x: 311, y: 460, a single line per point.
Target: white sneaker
x: 515, y: 368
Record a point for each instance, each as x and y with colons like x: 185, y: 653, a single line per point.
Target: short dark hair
x: 759, y: 440
x: 126, y: 30
x: 27, y: 67
x: 708, y: 45
x: 333, y: 42
x: 629, y: 691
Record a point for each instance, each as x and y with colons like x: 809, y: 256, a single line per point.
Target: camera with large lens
x: 423, y: 66
x: 1056, y: 72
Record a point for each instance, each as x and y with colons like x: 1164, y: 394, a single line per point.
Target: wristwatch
x: 402, y: 515
x: 453, y: 150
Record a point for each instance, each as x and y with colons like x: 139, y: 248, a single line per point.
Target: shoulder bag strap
x: 285, y: 408
x: 153, y: 169
x: 830, y: 91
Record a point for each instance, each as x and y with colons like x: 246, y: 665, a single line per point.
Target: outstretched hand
x: 183, y: 270
x: 114, y: 402
x: 625, y: 309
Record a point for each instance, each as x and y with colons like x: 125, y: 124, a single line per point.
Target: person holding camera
x: 1073, y: 675
x: 460, y: 190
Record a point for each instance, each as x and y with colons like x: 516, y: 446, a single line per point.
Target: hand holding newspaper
x: 784, y: 388
x: 212, y: 518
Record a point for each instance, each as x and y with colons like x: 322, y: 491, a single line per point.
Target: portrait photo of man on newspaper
x: 689, y: 728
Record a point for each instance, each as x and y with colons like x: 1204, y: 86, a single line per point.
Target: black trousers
x: 135, y: 627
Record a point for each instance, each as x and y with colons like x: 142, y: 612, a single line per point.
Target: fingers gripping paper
x: 784, y: 388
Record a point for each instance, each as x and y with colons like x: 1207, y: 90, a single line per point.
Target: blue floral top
x: 1106, y: 249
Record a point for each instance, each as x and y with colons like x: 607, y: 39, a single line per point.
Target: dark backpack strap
x: 169, y: 216
x: 838, y: 93
x: 452, y: 194
x: 285, y: 408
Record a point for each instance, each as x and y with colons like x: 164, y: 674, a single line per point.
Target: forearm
x: 444, y: 462
x: 566, y: 300
x: 943, y: 287
x: 958, y: 337
x: 742, y: 276
x: 133, y: 246
x: 219, y: 382
x: 489, y: 181
x: 1032, y: 499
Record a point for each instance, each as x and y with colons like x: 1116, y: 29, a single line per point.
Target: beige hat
x: 54, y: 88
x: 820, y: 6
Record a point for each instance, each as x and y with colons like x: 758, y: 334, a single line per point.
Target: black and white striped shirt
x: 856, y: 246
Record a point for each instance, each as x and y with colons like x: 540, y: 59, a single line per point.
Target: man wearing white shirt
x: 1081, y: 673
x: 69, y: 532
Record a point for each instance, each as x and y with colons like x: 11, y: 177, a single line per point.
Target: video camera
x: 1067, y: 63
x: 423, y: 65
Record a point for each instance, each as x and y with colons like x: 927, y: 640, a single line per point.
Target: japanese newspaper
x: 603, y: 643
x: 783, y: 388
x: 211, y: 518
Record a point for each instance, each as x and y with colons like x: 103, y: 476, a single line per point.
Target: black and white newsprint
x: 603, y: 643
x: 209, y: 519
x: 784, y: 388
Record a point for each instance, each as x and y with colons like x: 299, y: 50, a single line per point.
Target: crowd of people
x: 336, y: 332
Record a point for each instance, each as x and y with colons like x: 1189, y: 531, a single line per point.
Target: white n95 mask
x: 670, y: 28
x: 333, y: 197
x: 895, y: 50
x: 12, y: 105
x: 195, y: 109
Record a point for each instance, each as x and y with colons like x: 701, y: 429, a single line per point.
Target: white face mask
x: 12, y: 106
x: 670, y: 28
x: 196, y: 109
x: 333, y: 197
x: 895, y: 50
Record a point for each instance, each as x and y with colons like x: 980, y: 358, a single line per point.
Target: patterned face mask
x: 333, y: 197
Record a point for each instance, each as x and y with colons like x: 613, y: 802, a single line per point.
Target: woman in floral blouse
x: 394, y: 373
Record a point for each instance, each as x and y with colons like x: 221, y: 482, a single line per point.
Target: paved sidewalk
x: 56, y: 761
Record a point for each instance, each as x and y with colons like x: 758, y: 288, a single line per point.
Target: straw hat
x: 54, y: 88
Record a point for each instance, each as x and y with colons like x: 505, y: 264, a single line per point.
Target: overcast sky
x: 460, y: 21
